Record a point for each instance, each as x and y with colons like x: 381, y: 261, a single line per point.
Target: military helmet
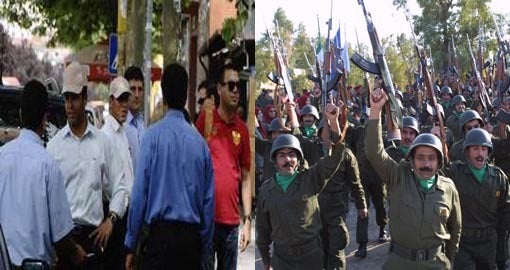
x: 457, y: 99
x: 468, y: 88
x: 478, y: 136
x: 437, y: 90
x: 427, y: 139
x: 310, y: 109
x: 446, y: 90
x: 411, y: 122
x: 469, y: 115
x: 275, y: 125
x: 286, y: 141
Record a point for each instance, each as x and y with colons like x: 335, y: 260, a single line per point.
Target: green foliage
x: 300, y: 83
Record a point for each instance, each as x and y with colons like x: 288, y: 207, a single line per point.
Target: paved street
x: 376, y: 252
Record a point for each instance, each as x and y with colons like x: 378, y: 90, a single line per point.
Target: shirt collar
x: 113, y: 123
x: 89, y: 130
x: 171, y: 113
x: 29, y: 135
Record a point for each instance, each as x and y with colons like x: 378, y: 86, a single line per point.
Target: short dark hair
x: 228, y: 65
x: 174, y: 85
x: 133, y: 73
x: 33, y: 104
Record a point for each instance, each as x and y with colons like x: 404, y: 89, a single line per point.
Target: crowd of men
x: 129, y: 196
x: 446, y: 191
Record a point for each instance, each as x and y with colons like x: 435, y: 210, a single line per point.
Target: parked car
x: 10, y: 117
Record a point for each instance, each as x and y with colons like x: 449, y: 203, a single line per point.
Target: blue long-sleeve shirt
x: 173, y: 180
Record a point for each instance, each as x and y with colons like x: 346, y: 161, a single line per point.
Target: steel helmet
x: 469, y: 115
x: 446, y: 90
x: 427, y: 139
x: 457, y: 99
x: 468, y: 88
x: 310, y: 109
x: 478, y: 136
x: 437, y: 90
x: 275, y: 125
x: 286, y: 141
x: 411, y: 122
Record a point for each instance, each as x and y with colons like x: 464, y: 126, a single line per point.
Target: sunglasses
x: 232, y: 85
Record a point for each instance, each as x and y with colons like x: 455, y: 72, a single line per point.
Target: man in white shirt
x: 91, y: 168
x: 115, y: 130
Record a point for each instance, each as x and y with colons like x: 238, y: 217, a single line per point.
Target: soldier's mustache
x: 287, y: 164
x: 425, y: 169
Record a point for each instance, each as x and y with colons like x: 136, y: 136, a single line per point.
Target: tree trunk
x: 135, y: 36
x: 171, y: 27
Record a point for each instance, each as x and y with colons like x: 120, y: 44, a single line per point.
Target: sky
x: 386, y: 18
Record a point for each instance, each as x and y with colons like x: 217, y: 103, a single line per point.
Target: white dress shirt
x: 92, y: 173
x: 117, y: 135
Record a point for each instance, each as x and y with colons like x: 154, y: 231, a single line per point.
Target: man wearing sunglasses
x: 228, y: 140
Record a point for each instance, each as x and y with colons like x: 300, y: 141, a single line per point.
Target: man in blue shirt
x: 173, y: 189
x: 135, y: 125
x: 34, y: 211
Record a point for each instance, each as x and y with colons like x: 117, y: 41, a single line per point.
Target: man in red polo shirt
x: 227, y: 137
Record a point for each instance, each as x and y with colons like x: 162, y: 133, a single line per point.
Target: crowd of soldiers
x: 447, y: 191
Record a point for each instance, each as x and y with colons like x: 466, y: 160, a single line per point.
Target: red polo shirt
x: 230, y: 150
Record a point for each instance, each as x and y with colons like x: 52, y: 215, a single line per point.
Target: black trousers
x: 115, y: 253
x: 81, y: 234
x: 172, y: 245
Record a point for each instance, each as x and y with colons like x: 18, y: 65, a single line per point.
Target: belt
x: 416, y: 254
x: 298, y: 250
x: 477, y: 233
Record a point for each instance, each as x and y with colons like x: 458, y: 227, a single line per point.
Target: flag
x: 341, y: 51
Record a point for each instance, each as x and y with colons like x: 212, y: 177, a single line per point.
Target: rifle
x: 455, y: 59
x: 380, y: 67
x: 281, y: 67
x: 432, y: 106
x: 482, y: 92
x: 365, y: 101
x: 326, y: 73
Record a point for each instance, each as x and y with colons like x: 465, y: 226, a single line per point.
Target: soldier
x: 446, y: 98
x: 426, y: 217
x: 468, y: 120
x: 333, y: 204
x: 485, y: 201
x: 409, y: 132
x: 309, y: 115
x: 288, y: 212
x: 375, y: 191
x: 459, y: 106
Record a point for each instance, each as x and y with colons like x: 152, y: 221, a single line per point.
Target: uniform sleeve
x: 139, y: 194
x: 357, y: 191
x: 61, y: 221
x: 504, y: 203
x: 116, y: 182
x: 383, y: 164
x: 326, y: 167
x: 263, y: 226
x: 454, y: 226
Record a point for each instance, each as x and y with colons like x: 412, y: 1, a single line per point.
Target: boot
x: 362, y: 251
x: 382, y: 235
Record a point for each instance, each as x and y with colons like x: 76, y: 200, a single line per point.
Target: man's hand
x: 79, y: 255
x: 332, y: 112
x: 245, y: 235
x: 102, y: 233
x: 363, y: 213
x: 267, y: 267
x: 130, y: 261
x: 377, y: 100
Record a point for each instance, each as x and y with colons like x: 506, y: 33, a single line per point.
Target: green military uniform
x: 333, y: 203
x: 425, y: 225
x: 374, y: 188
x: 395, y: 153
x: 452, y: 123
x: 291, y: 220
x: 483, y: 206
x: 500, y: 149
